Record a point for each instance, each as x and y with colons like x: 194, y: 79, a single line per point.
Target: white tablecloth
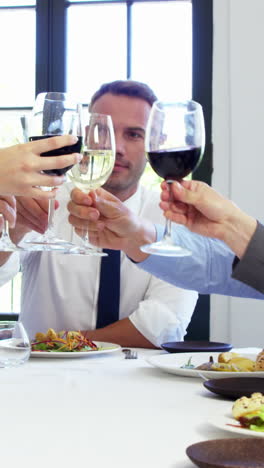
x: 102, y: 411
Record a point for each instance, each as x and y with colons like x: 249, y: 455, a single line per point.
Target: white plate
x: 172, y: 363
x: 227, y: 423
x: 104, y: 348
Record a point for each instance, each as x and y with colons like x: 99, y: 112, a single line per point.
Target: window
x: 126, y: 45
x: 95, y: 54
x: 17, y: 79
x: 77, y: 45
x: 98, y: 54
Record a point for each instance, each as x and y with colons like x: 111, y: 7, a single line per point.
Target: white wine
x: 93, y: 170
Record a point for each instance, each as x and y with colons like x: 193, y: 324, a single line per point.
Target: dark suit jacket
x: 250, y: 268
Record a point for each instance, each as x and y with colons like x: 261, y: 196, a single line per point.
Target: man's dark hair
x: 125, y: 88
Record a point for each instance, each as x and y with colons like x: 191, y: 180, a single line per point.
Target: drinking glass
x: 54, y: 113
x: 12, y: 132
x: 96, y: 165
x: 174, y: 143
x: 14, y: 344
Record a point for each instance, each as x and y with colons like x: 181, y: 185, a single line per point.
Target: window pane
x: 96, y: 47
x: 17, y: 77
x: 162, y: 47
x: 17, y: 3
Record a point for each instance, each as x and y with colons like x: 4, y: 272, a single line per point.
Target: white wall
x: 238, y: 131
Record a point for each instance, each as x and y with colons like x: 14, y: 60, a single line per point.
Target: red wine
x: 76, y: 148
x: 175, y: 163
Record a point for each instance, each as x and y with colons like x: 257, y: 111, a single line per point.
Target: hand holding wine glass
x: 174, y: 142
x: 54, y: 113
x: 11, y: 134
x: 96, y: 165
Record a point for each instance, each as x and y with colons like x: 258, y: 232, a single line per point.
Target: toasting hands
x: 204, y: 211
x: 110, y: 223
x: 21, y: 166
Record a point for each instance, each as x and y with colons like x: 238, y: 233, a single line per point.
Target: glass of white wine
x: 96, y: 165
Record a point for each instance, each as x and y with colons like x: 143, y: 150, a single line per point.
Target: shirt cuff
x: 159, y: 236
x: 250, y: 268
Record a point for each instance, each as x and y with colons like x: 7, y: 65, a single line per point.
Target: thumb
x: 107, y: 204
x: 184, y: 194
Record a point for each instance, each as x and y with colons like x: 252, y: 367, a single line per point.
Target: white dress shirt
x: 60, y: 291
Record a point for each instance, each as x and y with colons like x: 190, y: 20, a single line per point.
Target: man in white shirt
x: 61, y: 291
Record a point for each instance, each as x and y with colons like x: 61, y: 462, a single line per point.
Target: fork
x: 130, y: 354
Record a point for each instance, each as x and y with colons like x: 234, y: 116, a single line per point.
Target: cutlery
x: 129, y: 354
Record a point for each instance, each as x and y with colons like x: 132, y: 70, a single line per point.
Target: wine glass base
x: 165, y: 249
x: 49, y: 244
x: 82, y: 250
x: 9, y: 247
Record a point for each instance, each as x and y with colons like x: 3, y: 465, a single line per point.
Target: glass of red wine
x: 54, y: 113
x: 174, y: 143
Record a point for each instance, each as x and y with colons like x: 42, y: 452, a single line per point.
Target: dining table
x: 103, y: 411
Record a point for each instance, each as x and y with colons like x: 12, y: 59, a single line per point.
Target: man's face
x: 129, y: 116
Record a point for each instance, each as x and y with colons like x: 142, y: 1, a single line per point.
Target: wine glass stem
x: 85, y: 237
x: 167, y: 232
x: 5, y: 240
x: 51, y: 214
x: 5, y: 230
x: 51, y: 210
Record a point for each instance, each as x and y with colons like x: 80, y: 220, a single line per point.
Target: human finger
x: 9, y: 199
x: 58, y: 162
x: 39, y: 194
x: 175, y: 207
x: 107, y: 204
x: 81, y: 198
x: 179, y: 218
x: 82, y: 211
x: 48, y: 144
x: 32, y: 213
x: 8, y: 211
x: 183, y: 194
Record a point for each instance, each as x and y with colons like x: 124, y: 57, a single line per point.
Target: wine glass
x: 14, y: 344
x: 12, y: 132
x: 174, y: 143
x: 54, y: 113
x: 96, y: 165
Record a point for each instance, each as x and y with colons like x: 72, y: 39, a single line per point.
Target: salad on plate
x: 63, y: 341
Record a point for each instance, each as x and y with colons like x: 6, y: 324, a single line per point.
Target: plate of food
x: 227, y: 453
x: 68, y: 344
x: 246, y: 417
x: 210, y: 365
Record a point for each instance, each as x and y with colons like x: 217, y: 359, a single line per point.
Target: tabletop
x: 103, y: 411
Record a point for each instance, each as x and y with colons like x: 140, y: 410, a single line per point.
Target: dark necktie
x: 109, y: 289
